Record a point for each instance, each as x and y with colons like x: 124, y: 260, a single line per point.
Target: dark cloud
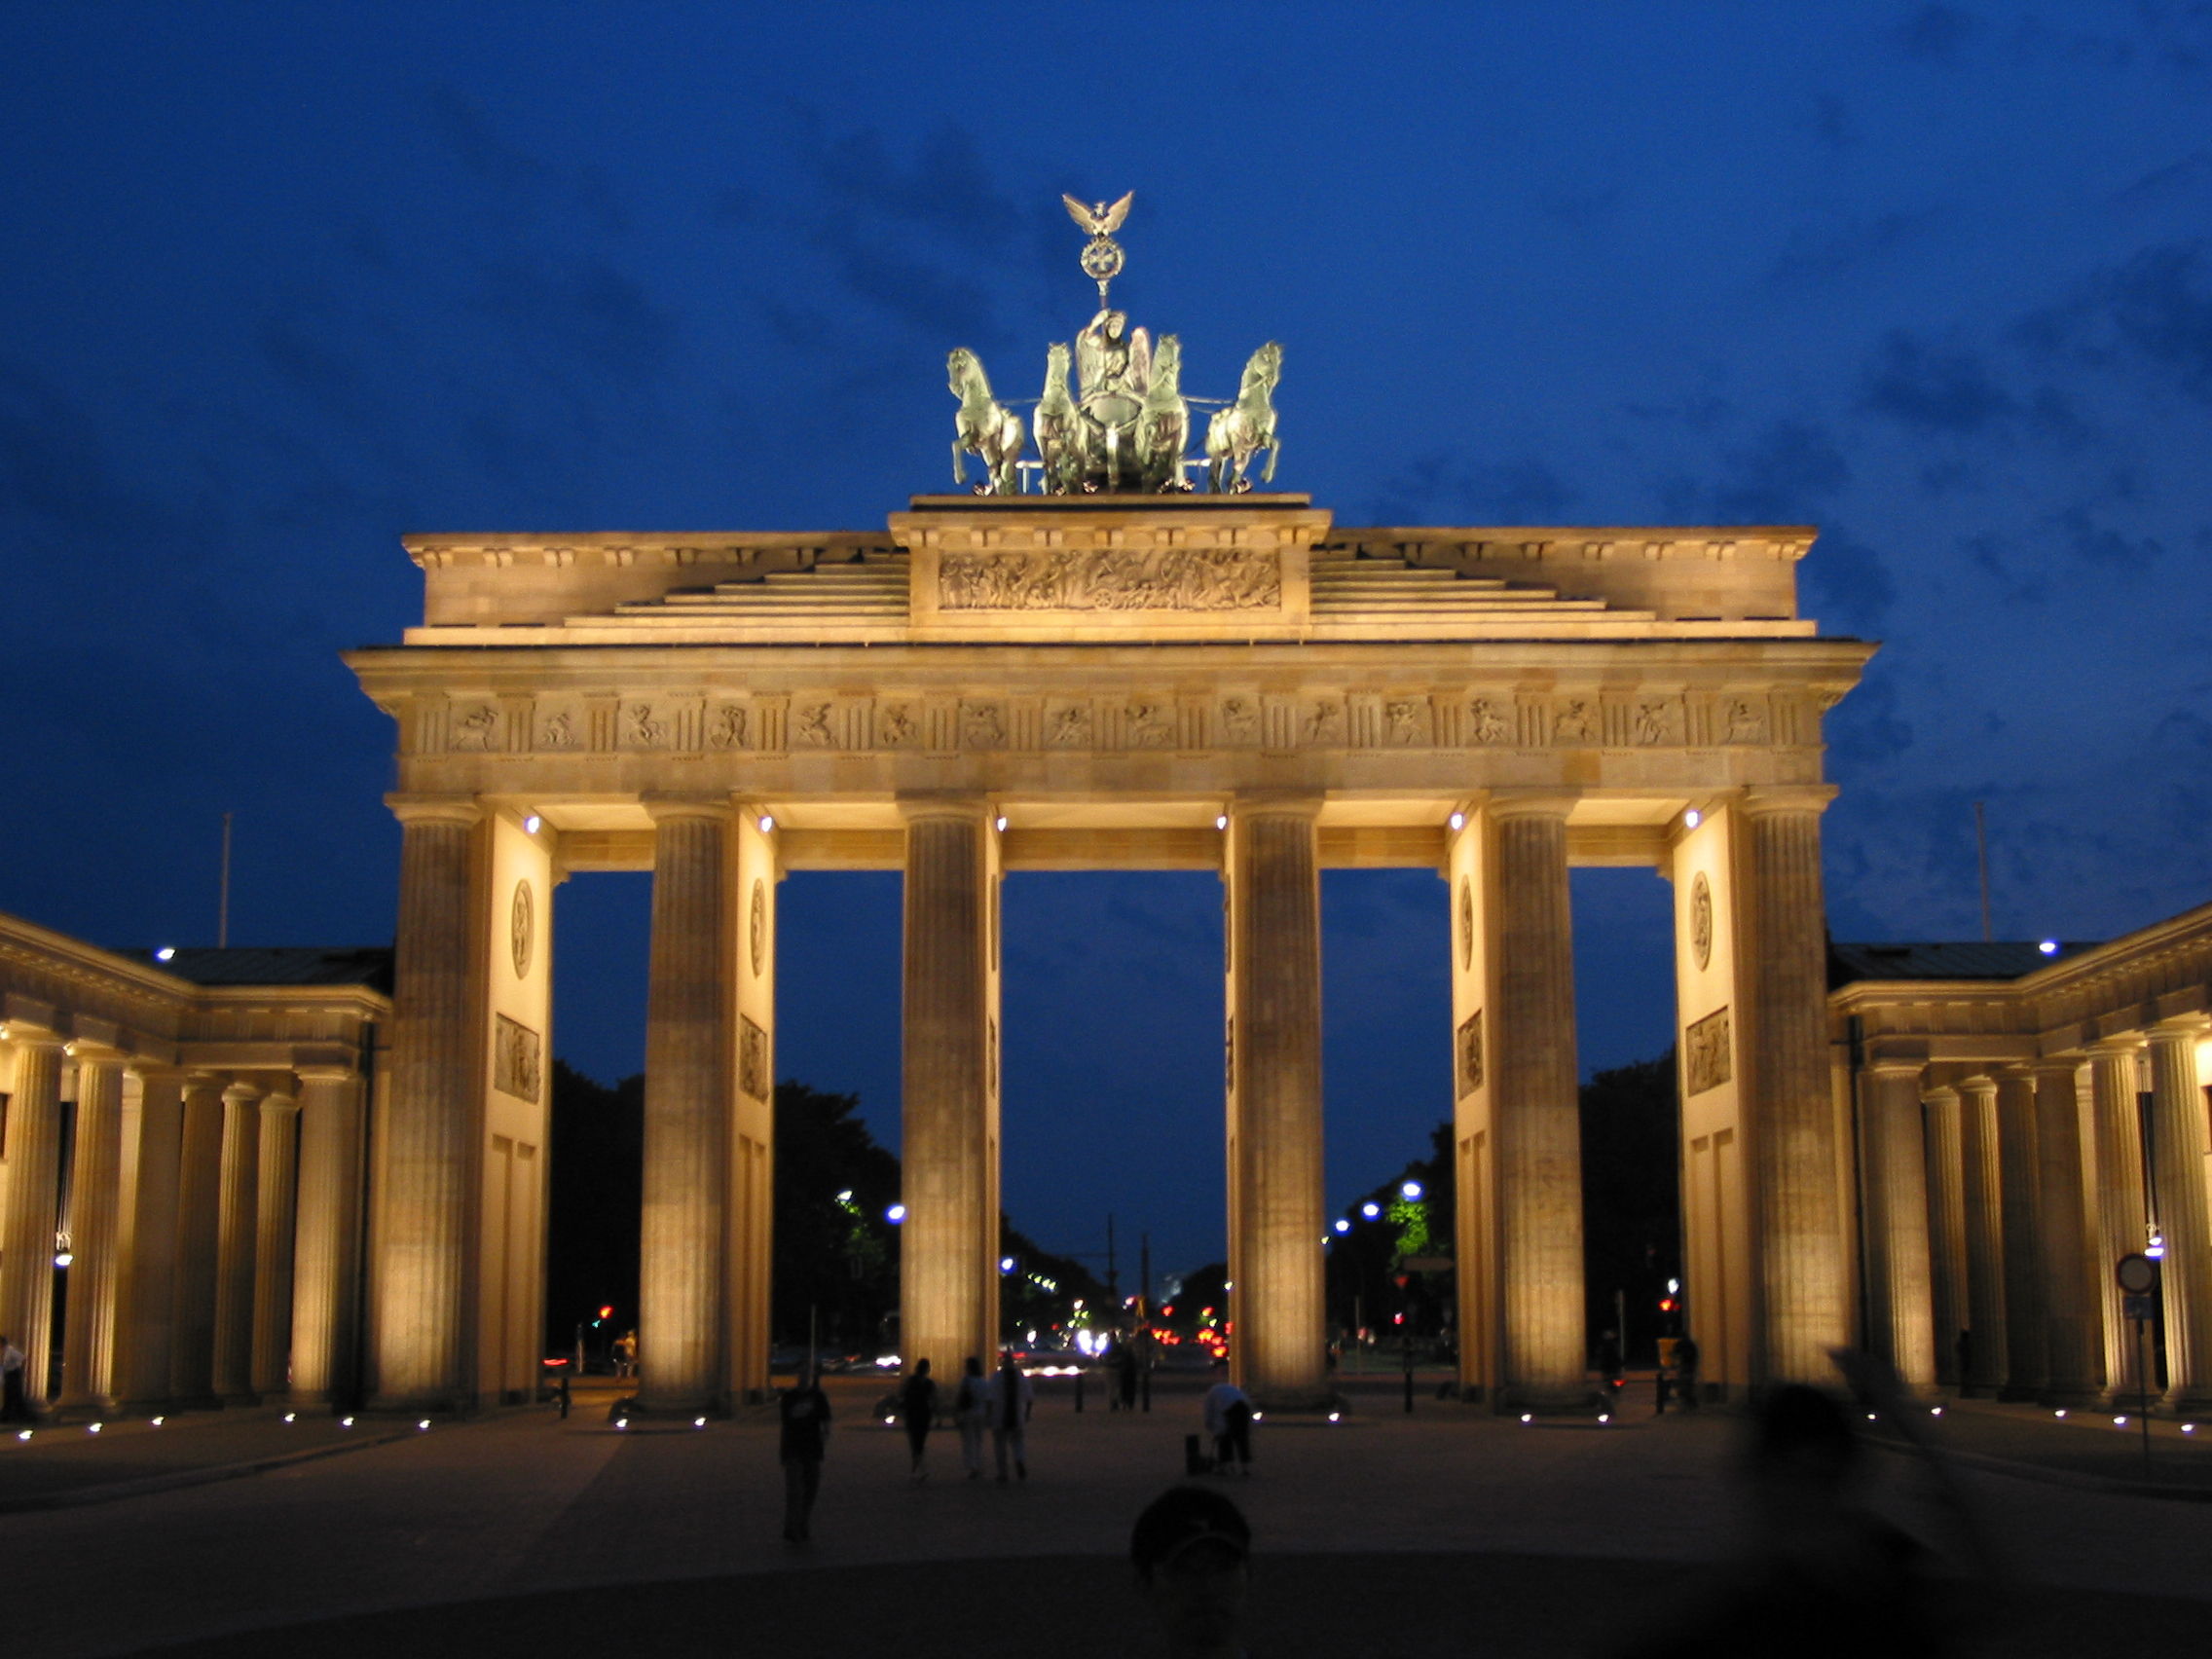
x: 590, y: 314
x: 1865, y: 732
x: 1832, y: 123
x: 2099, y: 545
x: 949, y: 187
x: 1934, y: 388
x: 1937, y: 33
x: 1441, y: 488
x: 1782, y: 477
x: 2155, y: 309
x: 1844, y: 582
x: 1814, y: 254
x: 526, y: 180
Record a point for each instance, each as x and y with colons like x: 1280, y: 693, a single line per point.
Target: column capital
x: 1979, y: 1083
x: 325, y: 1072
x: 2125, y: 1044
x: 1762, y: 799
x: 280, y: 1105
x: 27, y: 1036
x: 1284, y: 804
x: 2056, y: 1066
x: 1942, y: 1096
x: 2184, y: 1028
x: 91, y: 1051
x: 661, y: 806
x: 915, y: 804
x: 461, y: 811
x: 238, y: 1092
x: 1530, y: 803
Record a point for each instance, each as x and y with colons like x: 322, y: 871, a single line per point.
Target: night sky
x: 280, y: 284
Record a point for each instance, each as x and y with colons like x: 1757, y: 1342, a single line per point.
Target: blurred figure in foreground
x: 1191, y: 1549
x: 1821, y: 1573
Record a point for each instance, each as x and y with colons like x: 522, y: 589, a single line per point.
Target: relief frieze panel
x: 1111, y: 578
x: 517, y: 1067
x: 1706, y: 1057
x: 1068, y: 724
x: 1237, y: 721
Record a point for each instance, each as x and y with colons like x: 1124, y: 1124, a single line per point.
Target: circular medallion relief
x: 1466, y: 924
x: 522, y: 917
x: 757, y: 926
x: 1701, y: 921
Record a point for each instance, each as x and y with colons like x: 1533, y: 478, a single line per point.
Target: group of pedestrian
x: 999, y: 1405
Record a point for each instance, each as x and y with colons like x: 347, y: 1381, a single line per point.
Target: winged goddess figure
x: 1102, y: 255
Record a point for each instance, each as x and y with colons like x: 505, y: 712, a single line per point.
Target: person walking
x: 1228, y: 1420
x: 1013, y: 1397
x: 917, y: 1406
x: 13, y: 1406
x: 1685, y: 1370
x: 972, y: 1413
x: 804, y: 1410
x: 1125, y: 1373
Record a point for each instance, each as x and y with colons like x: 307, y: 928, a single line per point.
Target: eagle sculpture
x: 1099, y: 220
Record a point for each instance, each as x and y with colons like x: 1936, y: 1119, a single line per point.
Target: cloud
x: 1781, y: 477
x: 2099, y: 545
x: 589, y: 312
x: 1441, y: 488
x: 1815, y: 255
x: 2153, y: 309
x: 1937, y: 33
x: 1844, y: 582
x: 947, y: 188
x: 525, y: 179
x: 1932, y: 388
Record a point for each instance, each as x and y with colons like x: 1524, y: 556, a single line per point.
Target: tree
x: 836, y: 1253
x: 598, y: 1154
x: 1632, y: 1197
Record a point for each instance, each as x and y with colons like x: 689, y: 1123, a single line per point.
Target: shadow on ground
x: 1347, y: 1606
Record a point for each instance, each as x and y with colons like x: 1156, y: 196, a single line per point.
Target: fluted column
x: 1275, y: 1003
x: 1984, y: 1205
x: 1534, y: 1106
x: 2026, y: 1339
x: 2120, y: 1209
x: 2073, y: 1346
x: 96, y: 1176
x: 146, y: 1321
x: 34, y: 1202
x: 1947, y: 1229
x: 1900, y: 1313
x: 430, y: 1158
x: 2178, y: 1129
x: 326, y: 1260
x: 276, y: 1212
x: 235, y: 1235
x: 2025, y: 1320
x: 946, y: 1240
x: 200, y: 1181
x: 1803, y: 1271
x: 689, y: 1001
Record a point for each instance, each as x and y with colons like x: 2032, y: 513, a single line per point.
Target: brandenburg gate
x: 1106, y: 679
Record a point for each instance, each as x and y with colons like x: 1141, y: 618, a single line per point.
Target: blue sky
x: 280, y: 284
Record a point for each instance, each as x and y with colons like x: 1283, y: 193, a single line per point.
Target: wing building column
x: 1275, y: 1142
x: 326, y: 1248
x: 1946, y: 1228
x: 34, y: 1202
x: 276, y: 1216
x: 2178, y: 1129
x: 146, y: 1314
x: 2073, y: 1346
x: 95, y: 1230
x: 238, y: 1234
x: 1983, y: 1203
x: 2119, y: 1207
x: 948, y: 1241
x: 199, y: 1202
x: 1900, y: 1312
x: 2026, y: 1340
x: 690, y: 1004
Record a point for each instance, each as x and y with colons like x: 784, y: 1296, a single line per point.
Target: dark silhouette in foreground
x: 1191, y: 1549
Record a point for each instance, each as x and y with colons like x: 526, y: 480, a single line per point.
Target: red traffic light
x: 606, y: 1312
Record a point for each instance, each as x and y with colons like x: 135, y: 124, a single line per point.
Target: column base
x: 2070, y: 1399
x: 1582, y: 1401
x: 2194, y: 1403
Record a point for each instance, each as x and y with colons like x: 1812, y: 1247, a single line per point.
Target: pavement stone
x: 1450, y: 1530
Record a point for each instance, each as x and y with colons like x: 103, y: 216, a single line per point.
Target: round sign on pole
x: 2137, y: 1273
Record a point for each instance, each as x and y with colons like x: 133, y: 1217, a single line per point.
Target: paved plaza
x: 1446, y: 1531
